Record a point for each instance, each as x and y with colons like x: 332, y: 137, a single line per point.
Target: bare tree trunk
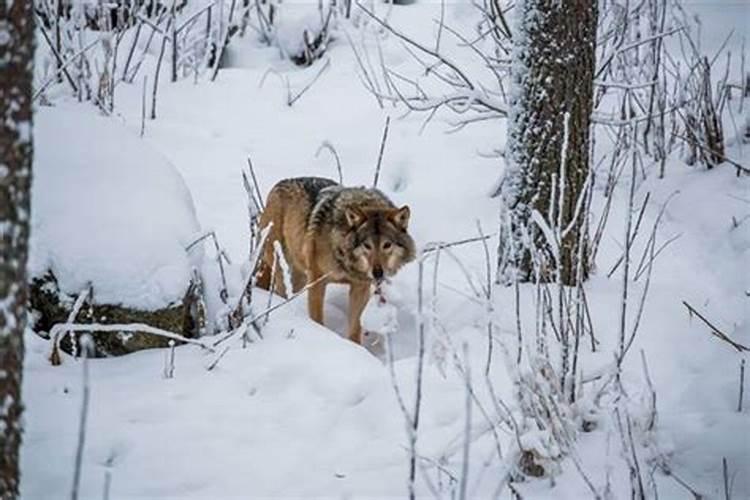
x: 548, y: 133
x: 17, y: 54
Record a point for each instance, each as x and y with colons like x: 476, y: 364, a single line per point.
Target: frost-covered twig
x: 55, y: 356
x: 466, y: 94
x: 677, y: 479
x: 634, y: 234
x: 256, y: 253
x: 433, y: 246
x: 605, y: 65
x: 169, y: 360
x: 195, y: 16
x: 715, y: 331
x: 626, y: 264
x: 131, y: 52
x: 650, y: 245
x: 645, y: 265
x: 221, y: 255
x: 128, y: 327
x: 652, y: 410
x: 62, y: 67
x: 257, y: 239
x: 637, y: 490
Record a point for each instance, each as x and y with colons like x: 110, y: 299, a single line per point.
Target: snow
x: 304, y: 412
x: 109, y: 211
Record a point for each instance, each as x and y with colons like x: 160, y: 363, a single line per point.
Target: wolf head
x: 376, y: 243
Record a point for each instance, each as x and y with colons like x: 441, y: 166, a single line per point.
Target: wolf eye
x: 367, y: 246
x: 387, y: 245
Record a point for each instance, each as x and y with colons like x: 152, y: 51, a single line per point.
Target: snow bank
x: 108, y: 210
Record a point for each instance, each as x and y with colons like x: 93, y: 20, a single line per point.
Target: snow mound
x: 293, y: 24
x: 108, y: 210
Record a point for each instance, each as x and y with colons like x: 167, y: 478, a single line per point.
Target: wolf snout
x: 377, y: 273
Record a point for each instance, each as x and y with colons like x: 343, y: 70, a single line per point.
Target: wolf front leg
x: 315, y: 298
x: 359, y: 294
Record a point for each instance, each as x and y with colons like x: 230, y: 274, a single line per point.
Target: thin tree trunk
x: 17, y: 52
x: 548, y: 133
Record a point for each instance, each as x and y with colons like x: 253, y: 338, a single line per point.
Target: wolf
x: 329, y: 233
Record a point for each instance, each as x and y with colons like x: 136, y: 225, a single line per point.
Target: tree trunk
x: 17, y: 56
x: 548, y: 137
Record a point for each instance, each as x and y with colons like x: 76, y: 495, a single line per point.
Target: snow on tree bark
x: 16, y: 71
x: 548, y: 133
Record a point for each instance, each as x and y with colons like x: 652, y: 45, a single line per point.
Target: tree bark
x: 548, y: 136
x: 17, y: 62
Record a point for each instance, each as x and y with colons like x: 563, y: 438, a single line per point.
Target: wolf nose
x: 377, y: 273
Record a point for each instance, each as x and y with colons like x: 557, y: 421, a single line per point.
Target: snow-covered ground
x: 304, y: 412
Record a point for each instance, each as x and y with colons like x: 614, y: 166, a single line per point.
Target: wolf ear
x: 400, y: 217
x: 354, y: 217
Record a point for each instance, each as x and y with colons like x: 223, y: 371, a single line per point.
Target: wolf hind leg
x: 299, y: 280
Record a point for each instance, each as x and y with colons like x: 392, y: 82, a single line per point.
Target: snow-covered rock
x: 110, y: 211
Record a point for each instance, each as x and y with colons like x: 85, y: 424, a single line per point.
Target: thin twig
x: 715, y: 331
x: 420, y: 369
x: 86, y: 347
x: 218, y: 358
x: 742, y: 385
x: 467, y: 427
x: 380, y: 154
x: 224, y: 42
x: 433, y: 246
x: 329, y: 147
x: 293, y: 98
x: 143, y: 105
x: 652, y: 410
x: 158, y: 68
x: 255, y: 183
x: 725, y: 477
